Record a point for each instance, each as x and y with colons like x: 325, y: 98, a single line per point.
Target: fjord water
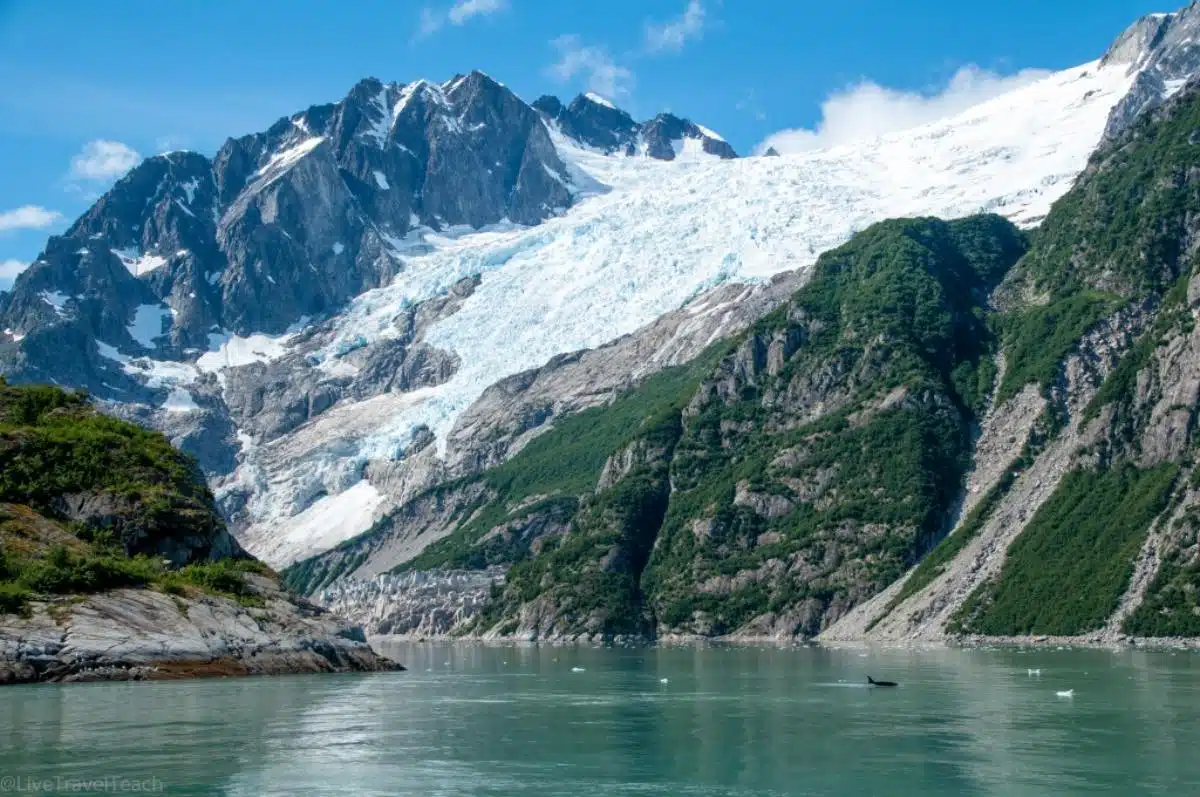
x: 472, y: 720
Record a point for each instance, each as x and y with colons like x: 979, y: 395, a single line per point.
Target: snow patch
x: 381, y: 125
x: 1173, y: 87
x: 327, y: 522
x: 57, y: 300
x: 381, y: 180
x: 231, y: 351
x: 16, y: 337
x: 189, y: 189
x: 278, y: 164
x: 596, y: 98
x: 149, y: 321
x: 708, y: 133
x: 338, y: 248
x: 138, y: 264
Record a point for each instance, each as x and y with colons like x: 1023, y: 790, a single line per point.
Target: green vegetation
x: 557, y: 467
x: 937, y: 560
x: 1120, y: 235
x: 1171, y: 606
x: 897, y: 346
x: 1067, y: 571
x: 1036, y: 340
x: 593, y: 572
x: 53, y: 444
x: 88, y: 570
x: 1173, y: 318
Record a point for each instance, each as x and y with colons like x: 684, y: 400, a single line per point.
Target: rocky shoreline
x: 1098, y: 641
x: 138, y: 634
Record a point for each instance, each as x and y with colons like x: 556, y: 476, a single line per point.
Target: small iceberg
x: 577, y: 669
x: 1066, y: 693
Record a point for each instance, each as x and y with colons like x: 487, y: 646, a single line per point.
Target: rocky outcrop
x: 146, y: 635
x: 1163, y: 50
x: 596, y: 123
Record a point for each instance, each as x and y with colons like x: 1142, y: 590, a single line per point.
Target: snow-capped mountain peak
x: 320, y: 302
x: 598, y: 100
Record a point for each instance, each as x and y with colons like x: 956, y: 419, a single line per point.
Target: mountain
x: 352, y: 318
x: 595, y: 122
x: 951, y: 429
x: 114, y: 564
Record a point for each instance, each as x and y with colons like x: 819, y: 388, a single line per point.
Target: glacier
x: 645, y: 237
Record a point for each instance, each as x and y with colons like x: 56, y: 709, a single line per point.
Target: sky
x: 89, y: 88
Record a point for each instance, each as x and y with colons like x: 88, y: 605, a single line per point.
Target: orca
x: 872, y: 682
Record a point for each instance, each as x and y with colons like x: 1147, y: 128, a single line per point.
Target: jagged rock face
x: 592, y: 121
x: 663, y: 135
x: 597, y: 123
x: 1164, y: 51
x: 285, y: 224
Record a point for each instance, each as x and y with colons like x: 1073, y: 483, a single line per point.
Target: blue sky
x: 88, y: 87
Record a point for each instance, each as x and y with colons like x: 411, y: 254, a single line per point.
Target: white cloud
x: 672, y: 36
x: 464, y: 10
x: 601, y: 74
x: 867, y: 110
x: 9, y: 269
x: 103, y: 160
x: 434, y: 19
x: 28, y: 217
x: 431, y: 23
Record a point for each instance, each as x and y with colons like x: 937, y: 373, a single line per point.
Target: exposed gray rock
x: 924, y: 615
x: 597, y: 123
x: 146, y: 635
x: 1164, y: 52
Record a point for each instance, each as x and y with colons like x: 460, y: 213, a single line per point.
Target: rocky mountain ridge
x: 400, y: 276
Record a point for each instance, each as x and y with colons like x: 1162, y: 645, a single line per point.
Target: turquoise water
x: 729, y: 721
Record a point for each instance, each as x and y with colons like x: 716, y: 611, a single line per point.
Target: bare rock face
x: 597, y: 123
x: 145, y: 635
x: 280, y: 226
x: 1164, y: 51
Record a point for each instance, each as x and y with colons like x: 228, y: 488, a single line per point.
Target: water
x: 729, y: 721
